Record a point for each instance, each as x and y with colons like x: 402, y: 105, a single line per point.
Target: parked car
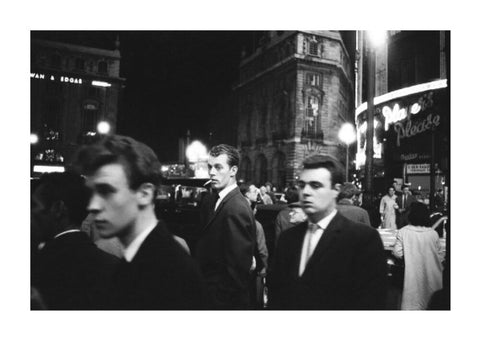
x: 178, y: 203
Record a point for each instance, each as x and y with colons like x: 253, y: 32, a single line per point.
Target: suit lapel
x: 326, y: 241
x: 220, y: 206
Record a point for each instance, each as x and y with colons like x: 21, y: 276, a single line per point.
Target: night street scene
x: 240, y: 170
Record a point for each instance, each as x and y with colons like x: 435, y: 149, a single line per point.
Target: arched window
x: 102, y: 67
x: 56, y: 61
x: 260, y: 172
x: 79, y: 64
x: 279, y: 174
x: 245, y: 169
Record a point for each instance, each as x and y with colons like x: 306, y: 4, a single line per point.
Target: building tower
x: 294, y: 92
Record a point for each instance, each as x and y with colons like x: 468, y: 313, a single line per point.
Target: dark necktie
x: 216, y: 196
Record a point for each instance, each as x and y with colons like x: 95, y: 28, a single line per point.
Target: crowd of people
x: 327, y: 254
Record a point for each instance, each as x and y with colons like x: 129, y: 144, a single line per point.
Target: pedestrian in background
x: 419, y: 246
x: 347, y: 207
x: 387, y: 208
x: 70, y: 271
x: 291, y: 215
x: 404, y: 201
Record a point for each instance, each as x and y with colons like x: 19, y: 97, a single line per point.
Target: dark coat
x: 72, y: 273
x: 161, y: 276
x: 352, y: 212
x: 402, y: 216
x: 225, y: 249
x: 347, y: 270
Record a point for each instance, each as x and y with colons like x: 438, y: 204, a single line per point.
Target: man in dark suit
x: 156, y: 273
x: 328, y: 262
x: 346, y: 206
x: 69, y: 271
x: 404, y: 201
x: 226, y: 243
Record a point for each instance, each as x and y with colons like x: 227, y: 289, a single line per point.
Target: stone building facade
x: 73, y: 88
x: 293, y: 94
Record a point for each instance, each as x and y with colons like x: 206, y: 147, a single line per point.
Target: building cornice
x: 115, y: 54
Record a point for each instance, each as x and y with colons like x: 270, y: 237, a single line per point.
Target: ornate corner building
x: 73, y: 88
x: 294, y: 92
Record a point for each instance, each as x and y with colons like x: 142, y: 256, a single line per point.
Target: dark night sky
x: 173, y: 78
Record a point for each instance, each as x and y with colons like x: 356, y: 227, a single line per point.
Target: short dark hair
x: 405, y: 186
x: 140, y: 163
x: 328, y: 162
x: 419, y: 214
x: 69, y: 188
x: 291, y: 194
x: 233, y: 156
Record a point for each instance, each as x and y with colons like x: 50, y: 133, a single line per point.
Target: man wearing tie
x: 404, y: 201
x: 225, y: 247
x: 328, y: 262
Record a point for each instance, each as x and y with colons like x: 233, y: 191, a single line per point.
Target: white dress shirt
x: 131, y: 250
x: 224, y: 192
x: 311, y: 240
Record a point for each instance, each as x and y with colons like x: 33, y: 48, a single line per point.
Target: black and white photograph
x: 198, y: 177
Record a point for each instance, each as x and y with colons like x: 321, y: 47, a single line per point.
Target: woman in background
x: 419, y: 246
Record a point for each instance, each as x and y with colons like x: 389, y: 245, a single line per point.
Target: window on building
x: 260, y: 175
x: 80, y: 64
x: 56, y: 61
x: 311, y: 127
x: 313, y: 79
x: 313, y: 47
x: 52, y: 114
x: 89, y: 118
x: 246, y: 169
x: 279, y: 177
x: 102, y: 67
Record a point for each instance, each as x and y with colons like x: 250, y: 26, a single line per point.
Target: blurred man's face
x: 220, y: 172
x: 406, y: 190
x: 113, y: 203
x: 252, y: 193
x: 317, y: 193
x: 391, y: 191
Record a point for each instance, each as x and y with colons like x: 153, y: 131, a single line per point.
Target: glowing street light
x: 33, y: 138
x: 347, y: 135
x: 196, y: 152
x: 103, y: 127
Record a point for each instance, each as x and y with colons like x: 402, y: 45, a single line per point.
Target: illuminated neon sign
x: 63, y: 79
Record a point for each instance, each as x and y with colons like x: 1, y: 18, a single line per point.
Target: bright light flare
x: 103, y: 127
x: 347, y: 133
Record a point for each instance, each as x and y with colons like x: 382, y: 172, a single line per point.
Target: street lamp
x: 33, y: 138
x: 347, y: 135
x: 103, y: 127
x: 196, y: 153
x: 374, y: 40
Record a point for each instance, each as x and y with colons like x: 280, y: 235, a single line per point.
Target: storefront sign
x: 409, y: 129
x: 418, y: 168
x: 63, y: 79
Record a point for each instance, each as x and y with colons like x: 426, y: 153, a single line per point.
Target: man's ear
x: 145, y: 193
x: 234, y: 170
x: 337, y: 187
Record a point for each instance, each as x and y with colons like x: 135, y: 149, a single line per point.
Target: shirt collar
x: 131, y: 250
x: 224, y: 192
x: 324, y: 222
